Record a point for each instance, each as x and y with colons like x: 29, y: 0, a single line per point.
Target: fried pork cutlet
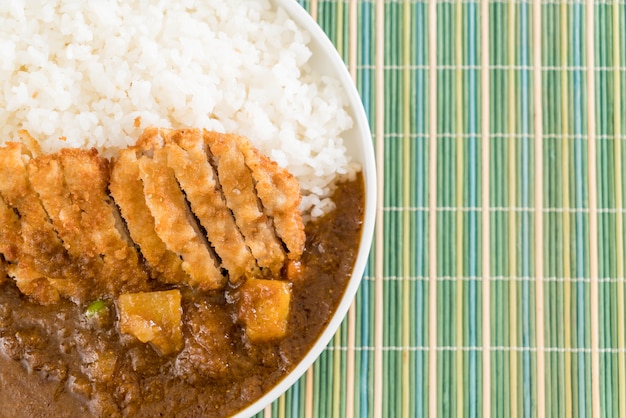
x: 19, y: 265
x: 279, y: 191
x: 46, y: 176
x: 42, y: 251
x: 72, y: 185
x: 174, y: 223
x: 40, y: 240
x: 186, y: 155
x: 86, y: 177
x: 198, y: 206
x: 241, y: 198
x: 127, y: 191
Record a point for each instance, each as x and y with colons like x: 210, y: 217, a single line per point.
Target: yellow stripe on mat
x: 337, y: 386
x: 281, y: 407
x: 567, y: 292
x: 539, y: 301
x: 313, y: 9
x: 619, y: 204
x: 593, y: 220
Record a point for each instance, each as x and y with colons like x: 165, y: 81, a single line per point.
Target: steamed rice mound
x: 95, y: 74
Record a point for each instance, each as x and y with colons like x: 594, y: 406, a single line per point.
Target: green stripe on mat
x: 566, y: 214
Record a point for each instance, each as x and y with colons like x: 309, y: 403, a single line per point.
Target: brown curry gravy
x: 56, y: 362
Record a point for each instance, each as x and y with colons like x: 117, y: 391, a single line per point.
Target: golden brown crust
x: 87, y: 178
x: 173, y: 224
x: 186, y: 155
x: 279, y: 192
x: 198, y: 205
x: 127, y: 191
x: 241, y: 198
x: 41, y: 257
x: 46, y: 177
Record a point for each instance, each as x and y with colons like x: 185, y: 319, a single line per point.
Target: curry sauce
x: 66, y: 359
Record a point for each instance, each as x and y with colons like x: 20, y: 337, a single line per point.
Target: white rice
x: 79, y: 74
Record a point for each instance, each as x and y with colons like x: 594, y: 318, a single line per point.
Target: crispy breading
x: 279, y: 192
x: 241, y: 198
x: 195, y: 204
x: 127, y: 191
x: 30, y: 143
x: 42, y: 260
x: 19, y: 265
x: 174, y: 224
x: 47, y: 179
x: 186, y: 155
x: 40, y: 240
x: 72, y: 186
x: 86, y: 177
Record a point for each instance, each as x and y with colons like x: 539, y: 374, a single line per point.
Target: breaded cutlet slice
x: 19, y: 266
x: 43, y: 260
x: 174, y: 223
x: 241, y: 198
x: 72, y: 185
x: 126, y: 188
x: 187, y: 156
x: 40, y: 240
x: 279, y: 192
x: 47, y: 179
x: 86, y: 176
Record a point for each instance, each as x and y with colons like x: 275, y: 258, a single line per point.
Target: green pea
x: 95, y: 308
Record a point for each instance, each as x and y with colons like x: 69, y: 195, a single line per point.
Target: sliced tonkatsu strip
x: 40, y: 240
x: 86, y: 176
x: 241, y: 198
x: 43, y: 262
x: 195, y: 204
x: 19, y: 265
x: 279, y: 192
x: 187, y: 156
x: 174, y: 223
x: 47, y: 179
x: 127, y: 191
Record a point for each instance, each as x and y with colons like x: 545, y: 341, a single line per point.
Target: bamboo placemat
x: 496, y: 283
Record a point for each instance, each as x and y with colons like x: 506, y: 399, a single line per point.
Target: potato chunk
x: 153, y: 317
x: 264, y: 308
